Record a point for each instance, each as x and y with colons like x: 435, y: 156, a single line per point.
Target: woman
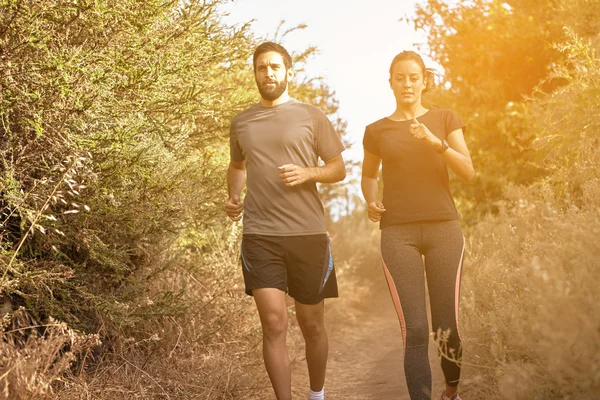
x: 418, y: 218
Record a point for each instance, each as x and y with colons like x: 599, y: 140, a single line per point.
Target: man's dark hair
x: 428, y: 73
x: 270, y: 46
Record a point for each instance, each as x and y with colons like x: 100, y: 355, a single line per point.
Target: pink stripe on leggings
x: 457, y: 287
x: 396, y: 300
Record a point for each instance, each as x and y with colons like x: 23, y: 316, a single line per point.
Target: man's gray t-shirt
x: 268, y: 137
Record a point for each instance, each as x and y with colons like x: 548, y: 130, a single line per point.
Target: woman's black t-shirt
x: 415, y: 176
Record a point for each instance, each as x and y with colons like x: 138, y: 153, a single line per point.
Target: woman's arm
x: 368, y: 183
x: 457, y: 156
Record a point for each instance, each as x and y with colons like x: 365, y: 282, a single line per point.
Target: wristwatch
x: 445, y: 146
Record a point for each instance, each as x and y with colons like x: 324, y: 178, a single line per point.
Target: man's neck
x: 272, y: 103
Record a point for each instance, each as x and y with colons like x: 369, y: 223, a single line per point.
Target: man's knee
x: 274, y: 324
x: 312, y: 328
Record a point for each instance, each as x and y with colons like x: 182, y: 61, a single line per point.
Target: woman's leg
x: 444, y: 250
x: 403, y: 266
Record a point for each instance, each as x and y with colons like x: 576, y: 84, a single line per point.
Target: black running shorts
x: 302, y: 266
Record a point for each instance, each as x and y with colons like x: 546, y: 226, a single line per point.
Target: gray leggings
x: 402, y: 248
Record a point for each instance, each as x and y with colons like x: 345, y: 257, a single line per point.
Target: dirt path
x: 365, y: 352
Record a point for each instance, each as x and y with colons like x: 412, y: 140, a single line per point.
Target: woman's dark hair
x: 428, y: 73
x: 270, y: 46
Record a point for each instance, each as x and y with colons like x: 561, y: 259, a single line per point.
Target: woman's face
x: 407, y: 82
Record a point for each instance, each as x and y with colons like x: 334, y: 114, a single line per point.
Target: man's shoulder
x: 247, y: 112
x: 309, y: 108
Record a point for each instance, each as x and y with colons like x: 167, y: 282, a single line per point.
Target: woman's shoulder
x: 440, y: 112
x: 377, y: 125
x: 442, y: 115
x: 445, y: 117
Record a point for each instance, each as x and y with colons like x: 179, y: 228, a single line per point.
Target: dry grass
x: 211, y: 350
x: 34, y: 358
x: 531, y: 305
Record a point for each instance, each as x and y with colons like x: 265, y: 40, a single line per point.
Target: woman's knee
x: 417, y: 335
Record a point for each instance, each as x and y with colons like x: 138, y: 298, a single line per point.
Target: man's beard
x: 271, y: 94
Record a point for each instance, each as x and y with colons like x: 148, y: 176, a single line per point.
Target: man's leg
x: 311, y: 278
x: 274, y: 320
x: 311, y: 318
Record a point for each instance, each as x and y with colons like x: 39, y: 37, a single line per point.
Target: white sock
x: 316, y: 395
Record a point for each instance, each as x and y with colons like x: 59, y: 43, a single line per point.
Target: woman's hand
x: 375, y: 210
x: 421, y: 132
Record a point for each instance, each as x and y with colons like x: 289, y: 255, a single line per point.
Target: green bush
x: 112, y: 118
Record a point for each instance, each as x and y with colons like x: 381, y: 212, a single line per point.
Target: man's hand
x: 234, y: 207
x: 292, y: 175
x: 375, y: 210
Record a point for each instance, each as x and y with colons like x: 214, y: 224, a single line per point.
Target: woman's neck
x: 404, y: 112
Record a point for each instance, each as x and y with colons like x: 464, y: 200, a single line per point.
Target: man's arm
x: 333, y: 171
x: 236, y: 178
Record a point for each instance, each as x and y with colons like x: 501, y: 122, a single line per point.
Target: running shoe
x: 444, y: 397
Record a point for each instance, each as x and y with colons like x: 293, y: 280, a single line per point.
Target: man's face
x: 271, y: 75
x: 407, y: 82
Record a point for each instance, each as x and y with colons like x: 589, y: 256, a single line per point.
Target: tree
x: 494, y: 54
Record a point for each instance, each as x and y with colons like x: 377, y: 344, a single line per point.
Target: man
x: 276, y: 144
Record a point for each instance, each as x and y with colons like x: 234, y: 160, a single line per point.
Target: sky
x: 356, y: 39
